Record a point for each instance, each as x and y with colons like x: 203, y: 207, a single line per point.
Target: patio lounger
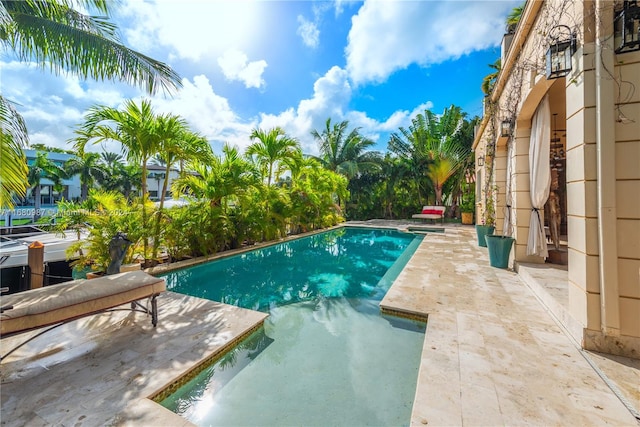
x: 61, y: 303
x: 431, y: 212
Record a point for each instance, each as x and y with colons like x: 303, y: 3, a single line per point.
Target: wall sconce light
x: 505, y: 128
x: 626, y: 33
x: 481, y: 161
x: 562, y: 45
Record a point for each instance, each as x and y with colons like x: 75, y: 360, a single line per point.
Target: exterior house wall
x: 627, y: 188
x: 155, y: 181
x: 603, y: 206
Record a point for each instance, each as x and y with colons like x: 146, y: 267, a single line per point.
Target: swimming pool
x: 325, y: 355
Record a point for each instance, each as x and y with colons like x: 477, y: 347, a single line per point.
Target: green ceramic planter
x: 499, y: 249
x: 483, y: 230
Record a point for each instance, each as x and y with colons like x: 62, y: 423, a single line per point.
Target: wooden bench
x: 58, y: 304
x: 431, y: 212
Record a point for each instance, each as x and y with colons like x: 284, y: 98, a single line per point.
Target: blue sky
x: 248, y: 64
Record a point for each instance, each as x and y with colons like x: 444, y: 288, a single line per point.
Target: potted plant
x: 467, y: 209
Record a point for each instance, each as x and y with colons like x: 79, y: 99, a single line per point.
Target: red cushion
x: 432, y: 211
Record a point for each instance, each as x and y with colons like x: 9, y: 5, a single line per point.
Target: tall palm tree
x: 345, y: 153
x: 56, y: 35
x: 135, y: 128
x: 410, y: 145
x: 272, y: 149
x: 43, y: 168
x: 175, y: 143
x: 90, y: 169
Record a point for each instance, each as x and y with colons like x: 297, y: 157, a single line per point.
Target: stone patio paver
x: 101, y: 370
x: 492, y: 354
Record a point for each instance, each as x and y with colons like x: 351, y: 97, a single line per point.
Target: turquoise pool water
x: 325, y: 355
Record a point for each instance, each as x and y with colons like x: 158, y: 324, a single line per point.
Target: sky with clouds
x: 247, y: 64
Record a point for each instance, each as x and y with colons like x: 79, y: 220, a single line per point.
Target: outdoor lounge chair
x: 58, y: 304
x: 431, y: 212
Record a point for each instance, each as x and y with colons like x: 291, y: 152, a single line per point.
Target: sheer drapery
x: 539, y: 177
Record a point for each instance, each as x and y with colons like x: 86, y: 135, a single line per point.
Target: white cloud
x: 194, y: 29
x: 309, y: 32
x: 207, y: 113
x: 388, y: 36
x: 53, y: 106
x: 331, y: 97
x: 235, y: 66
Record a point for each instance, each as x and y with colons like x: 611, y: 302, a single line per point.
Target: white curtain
x: 539, y: 177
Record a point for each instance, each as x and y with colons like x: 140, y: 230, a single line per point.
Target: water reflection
x: 196, y: 397
x: 325, y: 355
x: 341, y: 263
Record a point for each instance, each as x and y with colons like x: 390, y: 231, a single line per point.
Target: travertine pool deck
x: 101, y: 370
x: 493, y: 354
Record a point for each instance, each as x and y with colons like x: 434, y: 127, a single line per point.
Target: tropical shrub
x: 110, y: 213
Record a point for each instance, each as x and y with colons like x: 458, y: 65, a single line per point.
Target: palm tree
x: 410, y: 145
x: 119, y: 176
x: 110, y: 160
x: 175, y: 143
x: 219, y: 178
x: 135, y: 128
x: 42, y: 168
x: 13, y: 163
x: 431, y: 147
x: 345, y: 153
x: 272, y: 150
x: 127, y: 180
x: 56, y: 36
x: 178, y: 144
x: 514, y: 18
x: 394, y: 172
x: 218, y: 185
x: 490, y: 79
x: 90, y: 169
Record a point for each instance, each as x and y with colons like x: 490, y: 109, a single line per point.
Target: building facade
x: 155, y: 181
x: 50, y: 194
x: 559, y: 145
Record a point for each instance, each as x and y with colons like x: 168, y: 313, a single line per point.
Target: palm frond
x: 54, y: 34
x: 13, y: 164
